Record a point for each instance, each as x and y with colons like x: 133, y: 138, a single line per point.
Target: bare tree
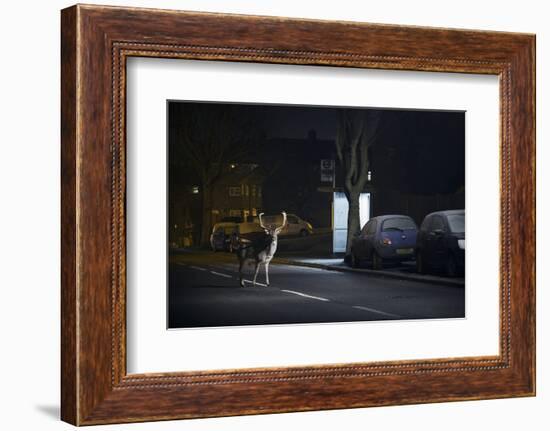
x: 208, y: 139
x: 357, y: 131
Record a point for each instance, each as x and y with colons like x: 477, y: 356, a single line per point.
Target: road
x: 204, y: 291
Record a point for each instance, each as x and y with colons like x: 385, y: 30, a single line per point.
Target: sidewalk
x: 338, y: 264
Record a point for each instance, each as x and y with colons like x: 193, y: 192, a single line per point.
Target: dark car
x: 441, y: 243
x: 384, y: 238
x: 222, y: 233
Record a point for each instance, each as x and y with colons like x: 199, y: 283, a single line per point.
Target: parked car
x: 222, y: 232
x: 296, y: 226
x: 441, y: 242
x: 229, y: 227
x: 384, y: 238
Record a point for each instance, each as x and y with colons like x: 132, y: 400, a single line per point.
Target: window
x: 229, y: 230
x: 456, y: 223
x: 425, y: 224
x: 437, y: 224
x: 292, y: 219
x: 234, y: 191
x: 400, y: 223
x: 371, y: 227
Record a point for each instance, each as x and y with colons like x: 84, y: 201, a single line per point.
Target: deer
x: 259, y: 251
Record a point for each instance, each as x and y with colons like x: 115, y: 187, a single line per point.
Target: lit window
x: 234, y: 191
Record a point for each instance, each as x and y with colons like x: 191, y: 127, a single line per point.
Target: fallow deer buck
x: 259, y: 251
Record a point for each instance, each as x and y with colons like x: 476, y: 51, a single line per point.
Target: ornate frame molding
x: 96, y: 41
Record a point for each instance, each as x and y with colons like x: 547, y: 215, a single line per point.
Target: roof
x: 447, y: 212
x: 387, y: 216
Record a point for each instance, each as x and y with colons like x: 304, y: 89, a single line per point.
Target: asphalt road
x: 204, y: 291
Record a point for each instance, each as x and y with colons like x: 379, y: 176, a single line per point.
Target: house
x: 238, y: 193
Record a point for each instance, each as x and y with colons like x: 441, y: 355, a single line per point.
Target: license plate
x: 404, y: 251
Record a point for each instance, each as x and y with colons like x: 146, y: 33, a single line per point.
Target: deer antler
x: 261, y: 222
x: 280, y: 228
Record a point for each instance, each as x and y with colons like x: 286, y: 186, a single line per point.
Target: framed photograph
x: 264, y: 214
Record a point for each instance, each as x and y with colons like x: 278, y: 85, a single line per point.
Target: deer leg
x: 256, y: 270
x: 241, y: 281
x: 267, y: 273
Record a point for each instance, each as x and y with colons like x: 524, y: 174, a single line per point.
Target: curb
x: 387, y: 274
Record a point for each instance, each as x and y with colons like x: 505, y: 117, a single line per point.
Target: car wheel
x: 420, y: 265
x: 451, y: 266
x: 304, y: 232
x: 376, y: 261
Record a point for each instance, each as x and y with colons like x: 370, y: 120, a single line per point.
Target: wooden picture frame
x: 95, y: 43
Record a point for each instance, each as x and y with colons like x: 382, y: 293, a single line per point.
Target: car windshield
x: 400, y: 223
x: 456, y: 223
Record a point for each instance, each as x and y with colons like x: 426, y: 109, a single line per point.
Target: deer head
x: 272, y: 230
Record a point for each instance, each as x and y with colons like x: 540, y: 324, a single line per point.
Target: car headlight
x: 462, y: 244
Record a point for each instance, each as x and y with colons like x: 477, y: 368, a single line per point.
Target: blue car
x: 390, y: 238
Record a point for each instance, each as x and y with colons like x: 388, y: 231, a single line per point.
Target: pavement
x: 315, y: 251
x: 204, y: 291
x: 402, y: 271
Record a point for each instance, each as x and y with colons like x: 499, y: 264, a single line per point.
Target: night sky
x: 417, y: 151
x: 288, y: 121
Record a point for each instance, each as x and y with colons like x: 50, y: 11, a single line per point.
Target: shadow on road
x: 214, y: 286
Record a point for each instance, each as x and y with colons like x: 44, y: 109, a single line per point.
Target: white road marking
x: 306, y: 296
x: 220, y: 274
x: 180, y: 264
x: 373, y: 310
x: 197, y: 267
x: 251, y: 282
